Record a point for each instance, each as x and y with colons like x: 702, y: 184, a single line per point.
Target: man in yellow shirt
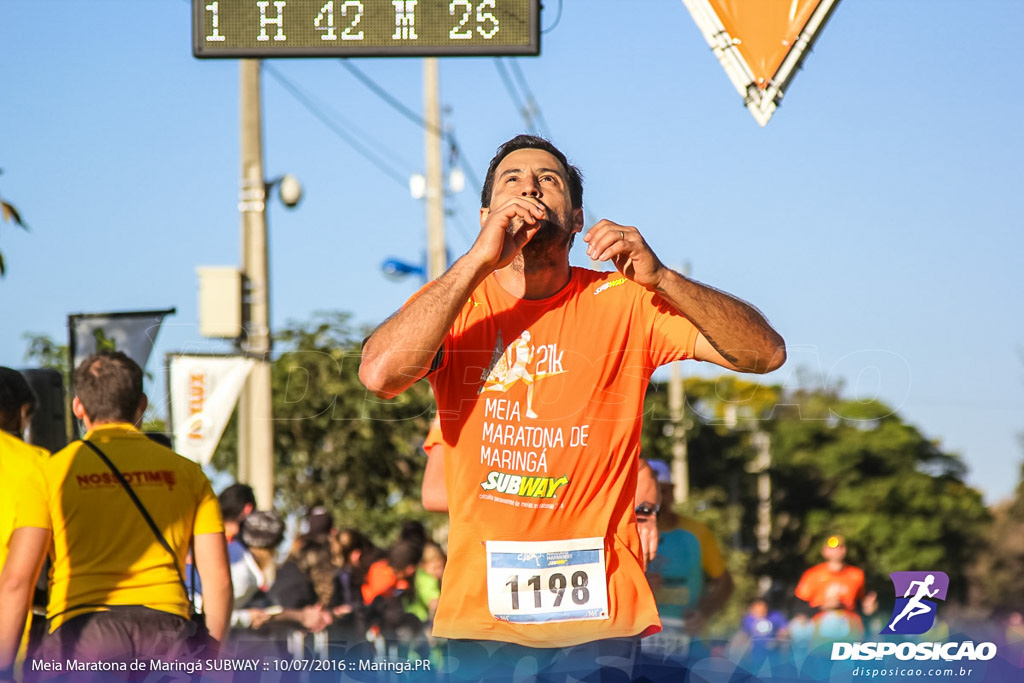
x: 115, y: 592
x: 18, y: 460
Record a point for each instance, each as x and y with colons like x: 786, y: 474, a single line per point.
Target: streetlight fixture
x: 289, y: 189
x: 395, y: 269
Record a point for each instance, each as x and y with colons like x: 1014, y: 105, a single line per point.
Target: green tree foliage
x: 997, y: 576
x: 1017, y: 502
x: 837, y: 466
x: 334, y: 442
x: 856, y: 468
x: 717, y: 452
x: 44, y: 352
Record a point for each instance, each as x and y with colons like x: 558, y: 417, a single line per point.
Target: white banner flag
x: 203, y: 390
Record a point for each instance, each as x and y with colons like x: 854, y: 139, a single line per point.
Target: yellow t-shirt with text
x: 104, y: 552
x: 19, y: 465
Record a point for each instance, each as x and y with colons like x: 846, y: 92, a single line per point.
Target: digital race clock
x: 357, y: 28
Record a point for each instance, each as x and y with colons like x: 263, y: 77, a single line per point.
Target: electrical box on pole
x: 220, y: 302
x: 364, y: 28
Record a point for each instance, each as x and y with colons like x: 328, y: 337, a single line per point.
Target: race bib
x: 547, y: 581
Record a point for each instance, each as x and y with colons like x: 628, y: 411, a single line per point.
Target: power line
x: 314, y: 108
x: 530, y: 101
x: 408, y: 113
x: 390, y: 99
x: 558, y: 18
x: 522, y: 97
x: 510, y: 88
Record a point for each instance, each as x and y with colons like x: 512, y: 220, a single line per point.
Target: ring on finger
x: 622, y: 235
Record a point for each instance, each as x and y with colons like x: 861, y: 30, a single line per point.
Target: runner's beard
x: 549, y: 246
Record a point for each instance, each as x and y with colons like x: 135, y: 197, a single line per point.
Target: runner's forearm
x: 401, y: 350
x: 26, y: 551
x: 737, y: 330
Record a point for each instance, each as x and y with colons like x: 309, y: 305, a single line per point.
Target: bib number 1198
x: 557, y: 584
x: 552, y: 581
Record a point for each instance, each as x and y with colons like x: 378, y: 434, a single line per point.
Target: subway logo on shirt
x: 523, y: 486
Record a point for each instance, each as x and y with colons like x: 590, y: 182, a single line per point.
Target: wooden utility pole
x: 255, y: 411
x: 437, y: 258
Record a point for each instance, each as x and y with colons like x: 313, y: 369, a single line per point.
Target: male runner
x: 543, y: 542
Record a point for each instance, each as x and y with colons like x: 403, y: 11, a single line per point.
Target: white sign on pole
x: 203, y: 390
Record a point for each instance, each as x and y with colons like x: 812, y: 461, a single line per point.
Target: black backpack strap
x: 149, y: 520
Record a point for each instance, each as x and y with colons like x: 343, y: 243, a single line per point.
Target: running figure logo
x: 914, y: 612
x: 517, y: 363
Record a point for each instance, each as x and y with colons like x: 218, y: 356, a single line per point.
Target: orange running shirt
x: 433, y: 436
x: 540, y: 404
x: 818, y: 582
x: 381, y: 580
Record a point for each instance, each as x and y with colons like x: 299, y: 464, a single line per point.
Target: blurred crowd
x: 332, y: 591
x: 328, y: 592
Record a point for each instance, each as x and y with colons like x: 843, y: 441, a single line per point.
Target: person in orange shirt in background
x: 546, y: 562
x: 390, y: 576
x: 832, y: 581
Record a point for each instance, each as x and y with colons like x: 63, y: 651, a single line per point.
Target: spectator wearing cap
x: 688, y: 575
x: 262, y: 532
x: 253, y: 572
x: 319, y: 523
x: 833, y: 580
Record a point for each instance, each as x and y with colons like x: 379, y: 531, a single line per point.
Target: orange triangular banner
x: 760, y: 43
x: 764, y: 31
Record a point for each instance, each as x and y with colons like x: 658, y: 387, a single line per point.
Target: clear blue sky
x: 876, y: 220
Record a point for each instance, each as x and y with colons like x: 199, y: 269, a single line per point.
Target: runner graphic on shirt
x: 515, y: 363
